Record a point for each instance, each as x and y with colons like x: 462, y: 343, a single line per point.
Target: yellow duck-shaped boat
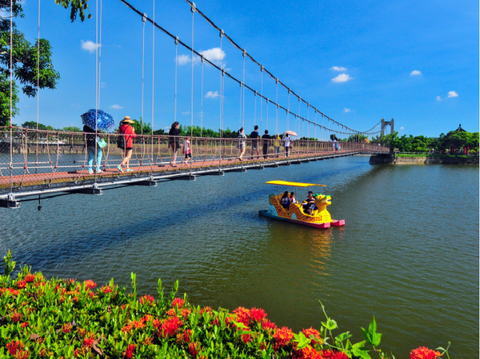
x: 320, y: 217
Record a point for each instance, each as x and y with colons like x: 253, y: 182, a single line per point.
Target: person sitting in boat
x: 285, y: 201
x: 292, y: 198
x: 309, y: 204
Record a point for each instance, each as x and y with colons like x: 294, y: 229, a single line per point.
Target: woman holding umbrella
x: 91, y: 140
x: 95, y: 121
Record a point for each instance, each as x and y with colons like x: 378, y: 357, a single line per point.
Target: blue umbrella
x: 103, y: 123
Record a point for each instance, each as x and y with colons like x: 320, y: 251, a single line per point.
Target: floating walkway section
x: 42, y: 164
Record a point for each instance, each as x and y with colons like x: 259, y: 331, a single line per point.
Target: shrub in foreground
x: 63, y: 318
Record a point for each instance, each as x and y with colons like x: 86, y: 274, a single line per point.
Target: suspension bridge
x: 37, y: 164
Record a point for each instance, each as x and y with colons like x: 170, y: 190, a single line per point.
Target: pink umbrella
x: 291, y: 133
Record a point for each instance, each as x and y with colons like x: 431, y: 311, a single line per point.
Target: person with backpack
x: 241, y: 143
x: 125, y: 142
x: 174, y: 141
x: 254, y: 136
x: 266, y: 138
x: 93, y: 146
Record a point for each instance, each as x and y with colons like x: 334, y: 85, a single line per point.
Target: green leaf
x: 302, y: 340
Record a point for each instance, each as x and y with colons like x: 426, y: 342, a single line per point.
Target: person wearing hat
x: 128, y: 131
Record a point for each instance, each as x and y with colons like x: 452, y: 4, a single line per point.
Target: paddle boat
x: 320, y: 217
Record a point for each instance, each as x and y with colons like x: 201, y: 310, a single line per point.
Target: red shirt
x: 129, y: 132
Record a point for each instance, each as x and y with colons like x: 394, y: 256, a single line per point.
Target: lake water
x: 409, y: 253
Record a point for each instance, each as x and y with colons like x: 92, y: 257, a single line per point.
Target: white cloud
x: 451, y: 94
x: 183, y: 60
x: 214, y: 54
x: 89, y: 46
x: 342, y: 78
x: 338, y: 68
x: 211, y: 94
x: 402, y: 128
x: 116, y: 107
x: 415, y: 73
x: 346, y: 110
x: 186, y: 113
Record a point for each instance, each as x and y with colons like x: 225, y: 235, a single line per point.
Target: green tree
x: 25, y: 58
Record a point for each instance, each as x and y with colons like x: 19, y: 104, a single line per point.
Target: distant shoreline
x: 423, y: 160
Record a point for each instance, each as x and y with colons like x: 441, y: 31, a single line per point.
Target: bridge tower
x: 390, y: 123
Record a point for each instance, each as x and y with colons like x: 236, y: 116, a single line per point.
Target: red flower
x: 308, y: 353
x: 268, y: 325
x: 29, y: 278
x: 185, y: 336
x: 89, y: 284
x: 424, y: 353
x: 243, y: 315
x: 170, y: 326
x: 216, y: 322
x: 178, y: 302
x: 66, y: 328
x: 139, y: 324
x: 147, y: 299
x: 24, y: 324
x: 246, y: 338
x: 157, y: 323
x: 258, y: 315
x: 21, y: 284
x: 14, y: 346
x: 106, y: 289
x: 128, y: 353
x: 206, y: 310
x: 147, y: 318
x: 127, y: 328
x: 88, y: 342
x: 16, y: 317
x: 282, y: 337
x: 313, y: 335
x: 332, y: 354
x: 194, y: 348
x: 13, y: 291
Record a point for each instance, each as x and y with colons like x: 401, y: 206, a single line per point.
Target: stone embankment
x: 424, y: 160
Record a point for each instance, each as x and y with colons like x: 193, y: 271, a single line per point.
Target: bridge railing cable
x: 45, y: 159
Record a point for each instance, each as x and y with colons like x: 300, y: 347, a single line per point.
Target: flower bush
x: 64, y: 318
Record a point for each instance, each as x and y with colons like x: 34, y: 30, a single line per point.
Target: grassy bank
x: 63, y: 318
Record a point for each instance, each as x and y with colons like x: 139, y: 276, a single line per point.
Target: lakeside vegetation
x: 458, y: 140
x: 64, y: 318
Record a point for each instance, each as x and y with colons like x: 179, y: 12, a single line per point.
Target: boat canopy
x: 294, y: 184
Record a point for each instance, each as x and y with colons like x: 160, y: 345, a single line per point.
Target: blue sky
x: 357, y: 62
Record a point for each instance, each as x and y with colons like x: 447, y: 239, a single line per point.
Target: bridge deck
x: 39, y: 163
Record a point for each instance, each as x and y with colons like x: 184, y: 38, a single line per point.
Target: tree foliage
x: 456, y: 139
x: 28, y: 67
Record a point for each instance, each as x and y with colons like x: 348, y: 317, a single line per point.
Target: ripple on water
x: 408, y: 254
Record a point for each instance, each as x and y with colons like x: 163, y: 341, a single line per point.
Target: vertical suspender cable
x: 276, y: 113
x: 221, y: 82
x: 11, y: 89
x: 315, y: 127
x: 261, y: 94
x: 153, y: 70
x: 38, y: 84
x: 267, y: 115
x: 201, y: 104
x: 240, y: 117
x: 144, y: 19
x: 255, y: 111
x: 243, y: 90
x: 322, y: 128
x: 288, y: 112
x: 176, y: 66
x: 191, y: 105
